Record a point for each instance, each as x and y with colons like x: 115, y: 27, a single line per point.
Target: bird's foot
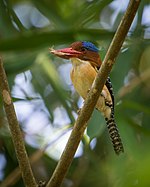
x: 78, y: 111
x: 88, y: 91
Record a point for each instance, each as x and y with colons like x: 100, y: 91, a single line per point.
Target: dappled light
x: 47, y: 104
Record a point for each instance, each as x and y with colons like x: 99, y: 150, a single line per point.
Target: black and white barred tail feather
x: 114, y: 135
x: 111, y: 124
x: 110, y: 88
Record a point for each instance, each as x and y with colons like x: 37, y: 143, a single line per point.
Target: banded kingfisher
x: 85, y: 64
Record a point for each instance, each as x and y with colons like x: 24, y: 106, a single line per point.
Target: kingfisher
x: 86, y: 62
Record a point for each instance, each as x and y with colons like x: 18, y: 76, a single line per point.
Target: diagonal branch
x: 90, y: 102
x: 144, y: 76
x: 17, y: 137
x: 15, y: 175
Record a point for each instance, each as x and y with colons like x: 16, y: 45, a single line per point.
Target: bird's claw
x: 78, y: 111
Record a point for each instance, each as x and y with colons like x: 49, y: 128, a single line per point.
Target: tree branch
x: 15, y: 175
x: 143, y: 77
x: 91, y: 100
x: 15, y: 130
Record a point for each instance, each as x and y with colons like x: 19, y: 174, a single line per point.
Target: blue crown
x: 90, y: 46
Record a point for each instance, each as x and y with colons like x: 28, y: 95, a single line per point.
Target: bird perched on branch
x: 86, y: 62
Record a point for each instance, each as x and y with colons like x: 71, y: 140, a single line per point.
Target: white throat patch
x: 77, y: 61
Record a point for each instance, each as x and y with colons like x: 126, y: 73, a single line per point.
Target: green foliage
x: 45, y: 100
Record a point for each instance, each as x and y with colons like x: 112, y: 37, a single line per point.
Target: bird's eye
x: 83, y: 49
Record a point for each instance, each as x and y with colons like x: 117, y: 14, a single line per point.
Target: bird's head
x: 86, y: 51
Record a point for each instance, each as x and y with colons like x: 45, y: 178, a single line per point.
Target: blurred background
x: 46, y: 102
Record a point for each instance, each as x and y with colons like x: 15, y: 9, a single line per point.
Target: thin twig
x: 17, y: 137
x: 134, y: 83
x: 15, y: 175
x: 90, y: 102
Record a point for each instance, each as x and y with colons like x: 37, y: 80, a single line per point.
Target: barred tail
x: 114, y: 135
x: 111, y: 124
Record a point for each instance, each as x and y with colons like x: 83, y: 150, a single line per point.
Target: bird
x: 86, y: 62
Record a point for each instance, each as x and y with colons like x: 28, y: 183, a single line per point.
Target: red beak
x: 66, y: 53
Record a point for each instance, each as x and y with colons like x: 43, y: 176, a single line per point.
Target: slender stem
x: 90, y: 102
x: 144, y: 76
x: 17, y: 137
x: 15, y: 175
